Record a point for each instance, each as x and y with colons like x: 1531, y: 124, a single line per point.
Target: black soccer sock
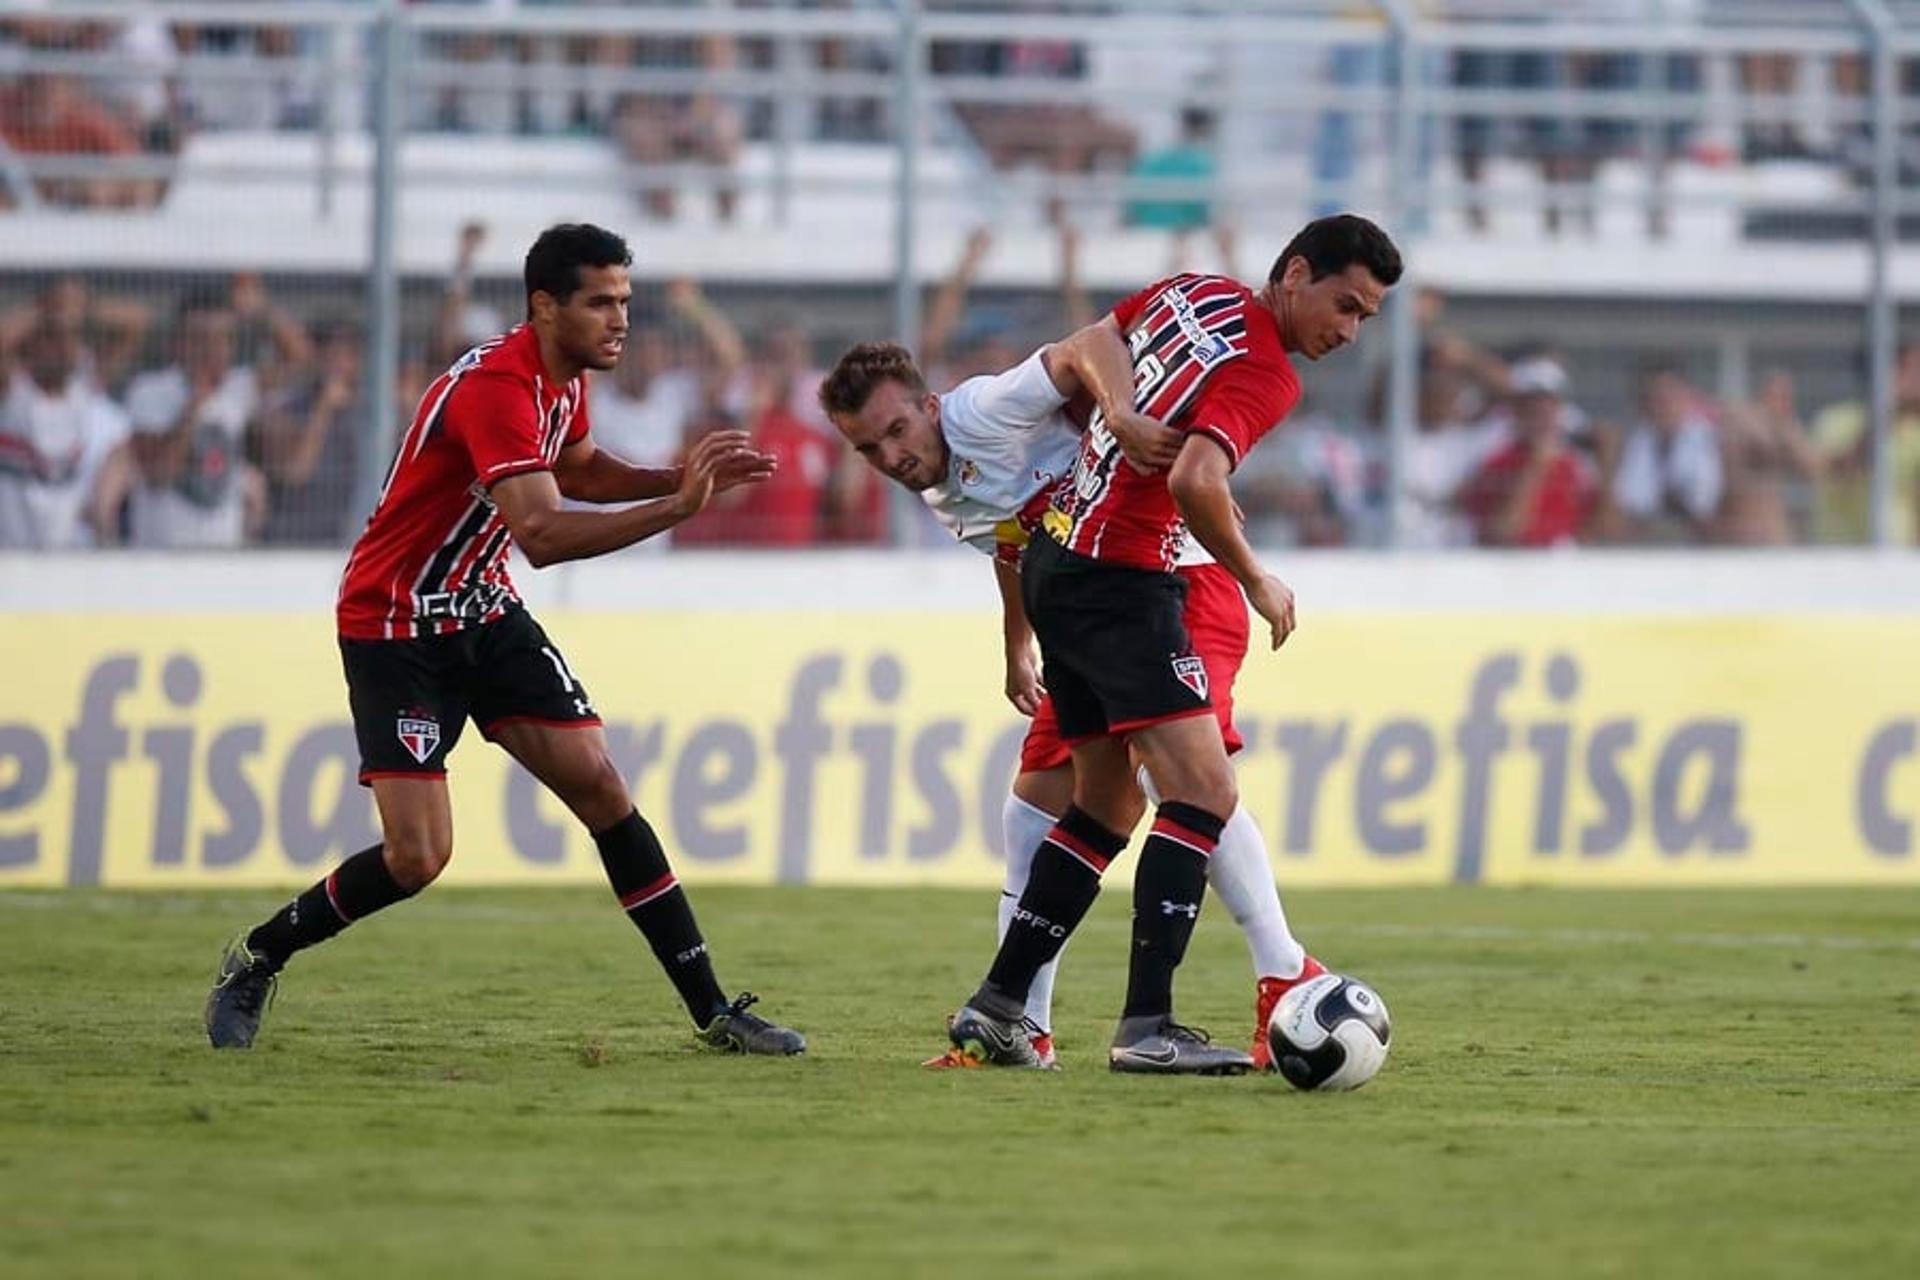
x: 1062, y: 885
x: 1167, y: 890
x: 653, y: 899
x: 358, y: 887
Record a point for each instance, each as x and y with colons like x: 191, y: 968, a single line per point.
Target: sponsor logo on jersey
x: 419, y: 736
x: 1211, y: 352
x: 1191, y: 672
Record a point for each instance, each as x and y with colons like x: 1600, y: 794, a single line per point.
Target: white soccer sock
x: 1242, y: 876
x: 1240, y: 873
x: 1022, y: 828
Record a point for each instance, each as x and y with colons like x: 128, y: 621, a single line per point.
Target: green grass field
x: 498, y: 1083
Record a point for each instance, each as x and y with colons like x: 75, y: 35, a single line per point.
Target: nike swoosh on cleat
x: 1165, y: 1058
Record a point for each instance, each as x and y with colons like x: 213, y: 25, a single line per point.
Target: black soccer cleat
x: 243, y: 987
x: 1157, y: 1045
x: 985, y: 1038
x: 734, y: 1030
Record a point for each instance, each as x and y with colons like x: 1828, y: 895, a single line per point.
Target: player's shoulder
x: 960, y: 420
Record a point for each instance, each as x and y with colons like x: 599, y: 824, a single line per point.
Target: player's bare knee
x: 1216, y: 792
x: 416, y: 862
x: 599, y: 795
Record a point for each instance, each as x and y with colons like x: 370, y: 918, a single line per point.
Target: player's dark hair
x: 865, y: 367
x: 554, y: 262
x: 1331, y: 245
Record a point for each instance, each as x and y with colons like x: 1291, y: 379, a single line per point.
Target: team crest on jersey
x: 419, y: 736
x: 1191, y: 672
x: 969, y: 471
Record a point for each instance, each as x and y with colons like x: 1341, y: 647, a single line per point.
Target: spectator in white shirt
x: 190, y: 425
x: 57, y: 430
x: 1669, y: 480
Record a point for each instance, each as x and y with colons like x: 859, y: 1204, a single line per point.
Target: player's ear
x: 1299, y: 273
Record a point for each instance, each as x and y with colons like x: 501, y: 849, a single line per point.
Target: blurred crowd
x: 223, y: 418
x: 1504, y: 455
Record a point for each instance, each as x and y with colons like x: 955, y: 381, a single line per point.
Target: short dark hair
x: 554, y: 262
x: 1332, y: 244
x: 864, y: 367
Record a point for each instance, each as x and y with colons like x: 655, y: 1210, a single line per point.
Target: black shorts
x: 411, y: 698
x: 1113, y: 641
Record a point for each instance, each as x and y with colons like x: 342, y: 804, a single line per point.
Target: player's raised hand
x: 1024, y: 689
x: 701, y: 470
x: 1149, y: 444
x: 746, y: 467
x: 1272, y: 599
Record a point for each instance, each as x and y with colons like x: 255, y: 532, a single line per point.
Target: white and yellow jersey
x: 1009, y: 442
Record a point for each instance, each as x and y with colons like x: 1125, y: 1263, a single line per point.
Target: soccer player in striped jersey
x: 985, y: 457
x: 432, y: 631
x: 1209, y: 358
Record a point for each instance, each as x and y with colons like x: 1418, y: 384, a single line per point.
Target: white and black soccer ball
x: 1330, y: 1032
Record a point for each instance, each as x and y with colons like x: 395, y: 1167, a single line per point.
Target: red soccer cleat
x: 1270, y: 991
x: 1043, y: 1045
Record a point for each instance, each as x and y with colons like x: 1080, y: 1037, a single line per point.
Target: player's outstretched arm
x: 548, y: 533
x: 1095, y: 358
x: 1198, y: 484
x: 587, y: 473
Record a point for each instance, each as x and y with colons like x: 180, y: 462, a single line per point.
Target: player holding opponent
x: 1209, y: 358
x: 984, y: 457
x: 432, y: 631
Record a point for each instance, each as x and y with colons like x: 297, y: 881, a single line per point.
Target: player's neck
x: 560, y: 370
x: 1270, y: 298
x: 946, y: 450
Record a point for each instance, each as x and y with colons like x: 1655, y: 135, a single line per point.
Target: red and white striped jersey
x: 433, y: 557
x: 1206, y: 359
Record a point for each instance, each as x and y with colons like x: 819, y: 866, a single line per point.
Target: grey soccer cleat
x: 243, y: 987
x: 1157, y: 1045
x: 991, y: 1040
x: 734, y: 1030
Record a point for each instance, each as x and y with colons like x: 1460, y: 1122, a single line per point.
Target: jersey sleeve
x: 1127, y: 310
x: 1241, y: 402
x: 494, y: 420
x: 1019, y: 399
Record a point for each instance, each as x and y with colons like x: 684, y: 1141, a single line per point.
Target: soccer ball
x: 1329, y: 1032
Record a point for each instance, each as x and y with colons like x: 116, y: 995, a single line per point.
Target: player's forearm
x: 605, y: 478
x: 1097, y: 357
x: 1206, y: 504
x: 1015, y: 629
x: 555, y: 537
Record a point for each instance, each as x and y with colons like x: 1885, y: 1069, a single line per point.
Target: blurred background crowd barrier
x: 1658, y: 247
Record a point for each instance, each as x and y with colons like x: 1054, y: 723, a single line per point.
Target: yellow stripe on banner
x: 875, y: 748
